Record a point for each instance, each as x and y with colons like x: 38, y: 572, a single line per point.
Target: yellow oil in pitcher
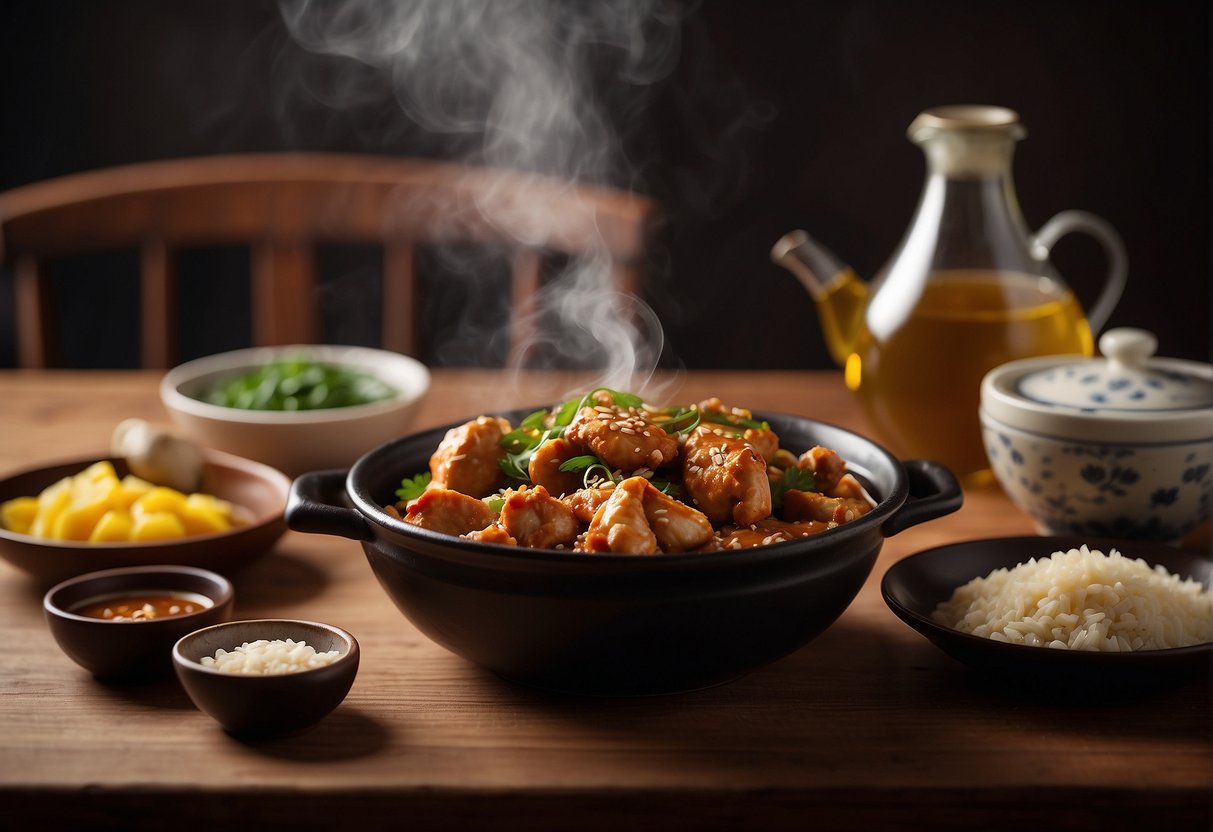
x: 920, y: 385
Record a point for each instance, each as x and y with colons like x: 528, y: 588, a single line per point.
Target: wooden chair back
x: 283, y: 205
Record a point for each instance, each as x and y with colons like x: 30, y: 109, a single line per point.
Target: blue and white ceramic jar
x: 1120, y: 446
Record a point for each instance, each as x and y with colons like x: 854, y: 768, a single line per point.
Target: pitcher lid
x: 1126, y: 396
x: 965, y: 117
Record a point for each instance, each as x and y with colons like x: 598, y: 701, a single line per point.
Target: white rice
x: 1083, y: 600
x: 267, y: 658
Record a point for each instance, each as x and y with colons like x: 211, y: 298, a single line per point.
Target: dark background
x: 778, y: 115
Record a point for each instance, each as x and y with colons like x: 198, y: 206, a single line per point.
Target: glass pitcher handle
x: 1114, y: 250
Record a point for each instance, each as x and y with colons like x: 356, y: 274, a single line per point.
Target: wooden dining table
x: 868, y: 727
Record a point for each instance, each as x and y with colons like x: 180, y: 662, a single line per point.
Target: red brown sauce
x: 768, y: 531
x: 143, y: 606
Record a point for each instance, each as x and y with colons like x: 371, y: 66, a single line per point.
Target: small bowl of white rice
x: 1103, y: 612
x: 267, y: 677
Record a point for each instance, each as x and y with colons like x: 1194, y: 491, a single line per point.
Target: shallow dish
x: 126, y: 649
x: 256, y: 487
x: 915, y: 585
x: 266, y: 705
x: 302, y: 440
x: 612, y: 624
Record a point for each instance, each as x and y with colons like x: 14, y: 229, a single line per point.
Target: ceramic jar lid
x: 1127, y: 396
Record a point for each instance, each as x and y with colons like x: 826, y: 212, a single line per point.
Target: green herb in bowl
x: 298, y: 384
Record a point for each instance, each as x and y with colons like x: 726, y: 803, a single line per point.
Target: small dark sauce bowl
x: 116, y: 650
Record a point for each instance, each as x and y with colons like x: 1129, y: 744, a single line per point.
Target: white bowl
x: 302, y: 440
x: 1121, y: 447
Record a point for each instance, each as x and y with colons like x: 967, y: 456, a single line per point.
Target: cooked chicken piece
x: 585, y: 503
x: 857, y: 506
x: 637, y: 518
x: 620, y: 524
x: 725, y: 477
x: 466, y: 459
x: 809, y: 505
x: 535, y: 518
x: 493, y: 533
x: 679, y: 528
x: 449, y: 511
x: 851, y: 488
x: 623, y: 438
x: 783, y: 459
x: 544, y: 467
x: 765, y: 532
x: 763, y: 440
x: 827, y: 467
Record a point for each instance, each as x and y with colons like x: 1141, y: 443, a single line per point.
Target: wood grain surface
x: 867, y: 727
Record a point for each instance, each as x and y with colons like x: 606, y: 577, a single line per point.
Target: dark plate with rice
x: 915, y: 587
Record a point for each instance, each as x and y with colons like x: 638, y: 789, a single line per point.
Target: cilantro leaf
x: 534, y: 421
x: 529, y: 434
x: 519, y: 440
x: 580, y: 463
x: 515, y: 465
x: 412, y: 487
x: 568, y: 410
x: 793, y: 479
x: 623, y: 399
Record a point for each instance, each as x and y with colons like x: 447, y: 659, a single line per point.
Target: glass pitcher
x: 968, y: 288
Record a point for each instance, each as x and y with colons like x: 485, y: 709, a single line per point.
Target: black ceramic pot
x: 605, y: 624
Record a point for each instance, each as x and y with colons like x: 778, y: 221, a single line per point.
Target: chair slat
x: 37, y: 324
x: 401, y: 299
x: 158, y: 305
x: 284, y: 293
x: 525, y: 280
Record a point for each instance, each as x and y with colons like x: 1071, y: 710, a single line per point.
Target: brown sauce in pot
x: 768, y: 531
x: 143, y: 606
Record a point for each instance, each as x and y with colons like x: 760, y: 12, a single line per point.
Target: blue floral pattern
x: 1158, y: 492
x: 1075, y: 385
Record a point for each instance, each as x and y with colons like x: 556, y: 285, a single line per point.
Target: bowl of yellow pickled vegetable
x: 298, y: 408
x: 79, y: 516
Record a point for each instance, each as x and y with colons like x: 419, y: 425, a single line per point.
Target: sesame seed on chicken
x: 537, y: 520
x: 448, y: 511
x: 466, y: 459
x: 726, y: 478
x: 622, y: 437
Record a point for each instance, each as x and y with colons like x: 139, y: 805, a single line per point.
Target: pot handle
x: 317, y: 505
x: 934, y: 492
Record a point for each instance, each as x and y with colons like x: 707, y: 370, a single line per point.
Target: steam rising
x: 545, y: 86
